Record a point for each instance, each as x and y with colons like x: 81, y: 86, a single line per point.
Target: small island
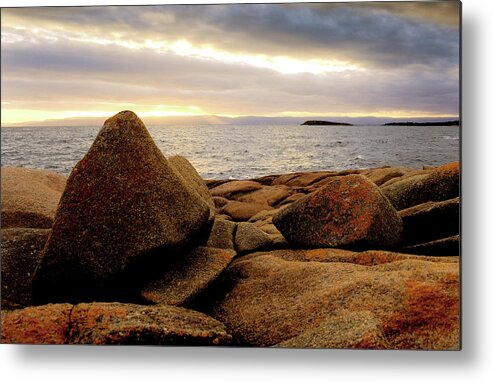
x: 446, y: 123
x: 325, y: 123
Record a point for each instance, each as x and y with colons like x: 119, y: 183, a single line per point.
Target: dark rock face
x: 129, y: 324
x: 122, y: 201
x: 48, y: 324
x: 189, y: 276
x: 430, y: 221
x: 348, y: 210
x: 111, y: 324
x: 449, y: 246
x: 30, y: 197
x: 443, y: 183
x: 310, y: 303
x: 21, y: 253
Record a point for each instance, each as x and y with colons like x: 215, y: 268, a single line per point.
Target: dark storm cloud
x: 373, y: 34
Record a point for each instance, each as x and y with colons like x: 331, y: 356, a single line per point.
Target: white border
x: 473, y: 363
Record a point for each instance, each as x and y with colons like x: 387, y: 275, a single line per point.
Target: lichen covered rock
x: 348, y: 210
x: 121, y: 202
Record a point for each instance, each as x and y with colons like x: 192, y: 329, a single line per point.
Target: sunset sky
x: 374, y: 59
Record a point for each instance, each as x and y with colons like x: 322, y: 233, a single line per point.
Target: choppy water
x: 241, y: 152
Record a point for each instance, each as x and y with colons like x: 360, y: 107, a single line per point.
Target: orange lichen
x: 430, y: 311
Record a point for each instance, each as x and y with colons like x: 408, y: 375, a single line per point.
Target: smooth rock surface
x: 442, y: 183
x: 189, y: 276
x: 193, y: 180
x: 271, y: 300
x: 21, y: 253
x: 121, y: 202
x: 235, y: 186
x: 250, y: 238
x: 240, y: 211
x: 348, y: 210
x: 30, y: 197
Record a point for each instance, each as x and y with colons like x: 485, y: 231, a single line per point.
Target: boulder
x: 430, y: 221
x: 222, y: 234
x: 348, y: 210
x: 240, y: 211
x: 48, y: 324
x: 414, y: 302
x: 122, y: 203
x: 30, y: 197
x: 21, y: 252
x: 440, y: 184
x: 250, y: 238
x: 449, y: 246
x: 235, y: 186
x: 188, y: 277
x: 193, y: 180
x: 112, y: 324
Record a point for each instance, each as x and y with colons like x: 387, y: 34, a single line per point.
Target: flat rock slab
x: 272, y: 300
x: 449, y: 246
x: 270, y: 195
x: 440, y: 184
x: 301, y: 179
x: 128, y: 324
x: 188, y: 277
x: 47, y: 324
x: 430, y: 221
x: 234, y: 186
x: 249, y: 238
x: 21, y: 253
x: 381, y: 175
x: 240, y: 211
x: 348, y: 210
x: 30, y: 197
x: 121, y: 202
x: 111, y: 324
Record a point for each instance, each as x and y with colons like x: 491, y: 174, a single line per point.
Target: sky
x: 304, y: 59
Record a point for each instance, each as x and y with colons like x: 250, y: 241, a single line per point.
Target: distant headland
x: 326, y: 123
x: 446, y: 123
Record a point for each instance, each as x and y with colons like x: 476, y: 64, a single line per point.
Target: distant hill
x: 326, y: 123
x: 446, y: 123
x: 223, y: 120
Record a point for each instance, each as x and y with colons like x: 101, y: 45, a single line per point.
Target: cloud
x: 372, y: 34
x: 100, y: 58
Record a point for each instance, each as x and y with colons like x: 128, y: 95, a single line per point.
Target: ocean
x: 248, y: 151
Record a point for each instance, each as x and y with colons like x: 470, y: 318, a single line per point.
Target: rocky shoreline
x: 136, y: 248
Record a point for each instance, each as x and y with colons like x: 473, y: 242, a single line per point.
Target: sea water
x: 248, y: 151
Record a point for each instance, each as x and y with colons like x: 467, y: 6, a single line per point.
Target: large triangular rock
x: 122, y: 201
